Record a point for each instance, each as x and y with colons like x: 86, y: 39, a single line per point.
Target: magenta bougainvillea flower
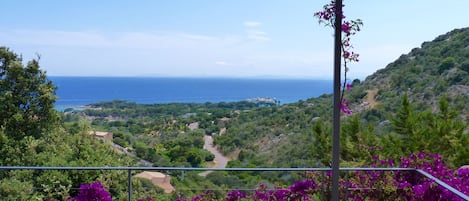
x: 349, y: 28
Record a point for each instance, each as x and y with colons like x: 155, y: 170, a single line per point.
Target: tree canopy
x: 27, y: 97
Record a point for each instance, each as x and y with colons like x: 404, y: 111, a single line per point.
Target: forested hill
x: 439, y: 67
x: 408, y: 100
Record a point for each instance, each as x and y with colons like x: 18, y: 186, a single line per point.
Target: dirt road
x: 220, y: 161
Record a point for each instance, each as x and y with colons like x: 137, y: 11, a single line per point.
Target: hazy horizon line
x: 197, y: 77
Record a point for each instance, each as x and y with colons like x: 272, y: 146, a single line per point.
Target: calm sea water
x: 76, y: 91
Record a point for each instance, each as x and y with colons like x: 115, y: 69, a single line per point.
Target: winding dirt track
x: 220, y: 161
x: 370, y: 98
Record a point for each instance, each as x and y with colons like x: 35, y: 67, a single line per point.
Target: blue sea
x: 78, y: 91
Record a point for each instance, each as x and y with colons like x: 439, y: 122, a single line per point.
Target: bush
x: 446, y: 64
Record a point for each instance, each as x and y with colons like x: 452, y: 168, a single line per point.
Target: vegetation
x: 27, y: 98
x: 31, y: 134
x: 411, y: 95
x: 415, y: 105
x: 356, y: 186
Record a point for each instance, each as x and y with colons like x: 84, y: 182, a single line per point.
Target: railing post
x: 129, y: 188
x: 182, y: 174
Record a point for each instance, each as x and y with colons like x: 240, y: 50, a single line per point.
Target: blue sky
x: 215, y: 38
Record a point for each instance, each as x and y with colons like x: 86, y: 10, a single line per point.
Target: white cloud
x: 92, y: 39
x: 83, y: 53
x: 197, y: 37
x: 254, y: 32
x: 258, y: 35
x: 223, y: 63
x: 251, y: 24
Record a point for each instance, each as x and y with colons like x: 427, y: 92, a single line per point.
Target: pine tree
x: 406, y: 126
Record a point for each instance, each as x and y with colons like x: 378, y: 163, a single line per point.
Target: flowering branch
x: 349, y: 28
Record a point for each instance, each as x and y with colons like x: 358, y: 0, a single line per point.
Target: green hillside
x: 439, y: 67
x: 429, y: 76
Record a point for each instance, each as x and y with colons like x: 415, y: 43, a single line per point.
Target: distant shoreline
x: 62, y: 108
x: 82, y: 91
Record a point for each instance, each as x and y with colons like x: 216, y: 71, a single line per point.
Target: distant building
x: 187, y: 115
x: 225, y: 119
x: 107, y: 136
x: 159, y: 179
x: 264, y: 101
x: 193, y: 126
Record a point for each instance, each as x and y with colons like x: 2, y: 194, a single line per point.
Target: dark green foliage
x: 458, y: 77
x: 132, y: 110
x: 424, y: 74
x: 58, y: 148
x: 358, y: 141
x: 15, y: 189
x: 32, y: 135
x: 373, y: 115
x: 440, y: 132
x: 404, y: 122
x: 322, y: 143
x: 357, y: 94
x: 446, y: 64
x: 465, y: 66
x: 26, y: 97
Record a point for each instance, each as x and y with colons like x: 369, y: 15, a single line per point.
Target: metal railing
x: 130, y: 169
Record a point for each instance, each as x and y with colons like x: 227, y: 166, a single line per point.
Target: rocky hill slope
x: 439, y: 67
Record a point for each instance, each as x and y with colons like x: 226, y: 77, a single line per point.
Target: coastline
x: 75, y: 92
x: 71, y: 108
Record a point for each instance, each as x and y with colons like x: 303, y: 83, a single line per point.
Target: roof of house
x: 99, y: 133
x: 165, y: 185
x: 149, y: 175
x: 193, y: 126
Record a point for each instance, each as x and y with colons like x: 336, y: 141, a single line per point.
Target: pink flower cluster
x: 345, y: 107
x: 370, y: 185
x: 425, y: 189
x: 329, y: 12
x: 349, y: 28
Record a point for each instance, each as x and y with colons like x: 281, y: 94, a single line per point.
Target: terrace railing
x: 130, y: 170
